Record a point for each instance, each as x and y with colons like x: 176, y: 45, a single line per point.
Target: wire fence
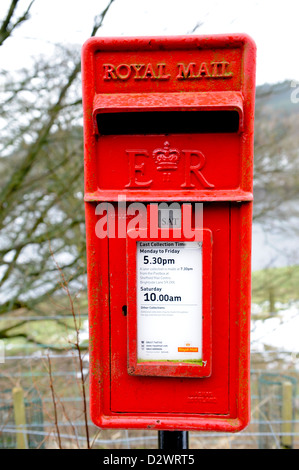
x: 42, y: 405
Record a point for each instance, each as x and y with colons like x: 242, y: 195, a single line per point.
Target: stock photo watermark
x: 295, y: 92
x: 136, y: 219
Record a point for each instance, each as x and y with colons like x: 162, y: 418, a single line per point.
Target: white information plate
x: 169, y: 301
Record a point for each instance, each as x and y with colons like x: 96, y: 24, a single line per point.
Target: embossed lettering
x: 123, y: 71
x: 142, y: 72
x: 203, y: 70
x: 195, y: 169
x: 191, y: 71
x: 134, y: 169
x: 219, y: 70
x: 149, y: 72
x: 204, y: 397
x: 137, y: 68
x: 109, y: 72
x: 196, y: 71
x: 186, y: 72
x: 162, y: 75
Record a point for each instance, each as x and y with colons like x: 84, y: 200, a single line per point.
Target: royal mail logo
x: 162, y: 71
x: 166, y: 158
x: 187, y: 349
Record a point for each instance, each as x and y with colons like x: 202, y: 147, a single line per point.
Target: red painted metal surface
x: 170, y: 84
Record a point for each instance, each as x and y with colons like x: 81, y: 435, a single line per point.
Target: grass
x: 57, y: 332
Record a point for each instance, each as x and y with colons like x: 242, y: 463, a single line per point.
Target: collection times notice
x: 169, y: 301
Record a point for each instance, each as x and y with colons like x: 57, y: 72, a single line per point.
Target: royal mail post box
x: 168, y: 129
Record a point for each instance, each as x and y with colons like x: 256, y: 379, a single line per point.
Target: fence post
x: 20, y: 417
x: 287, y: 415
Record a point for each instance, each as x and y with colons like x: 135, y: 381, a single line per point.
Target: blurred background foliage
x: 41, y: 179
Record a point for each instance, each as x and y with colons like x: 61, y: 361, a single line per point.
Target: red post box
x: 168, y: 129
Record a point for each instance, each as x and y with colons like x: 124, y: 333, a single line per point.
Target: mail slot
x: 168, y: 158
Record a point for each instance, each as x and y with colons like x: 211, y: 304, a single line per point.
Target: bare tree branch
x: 7, y: 27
